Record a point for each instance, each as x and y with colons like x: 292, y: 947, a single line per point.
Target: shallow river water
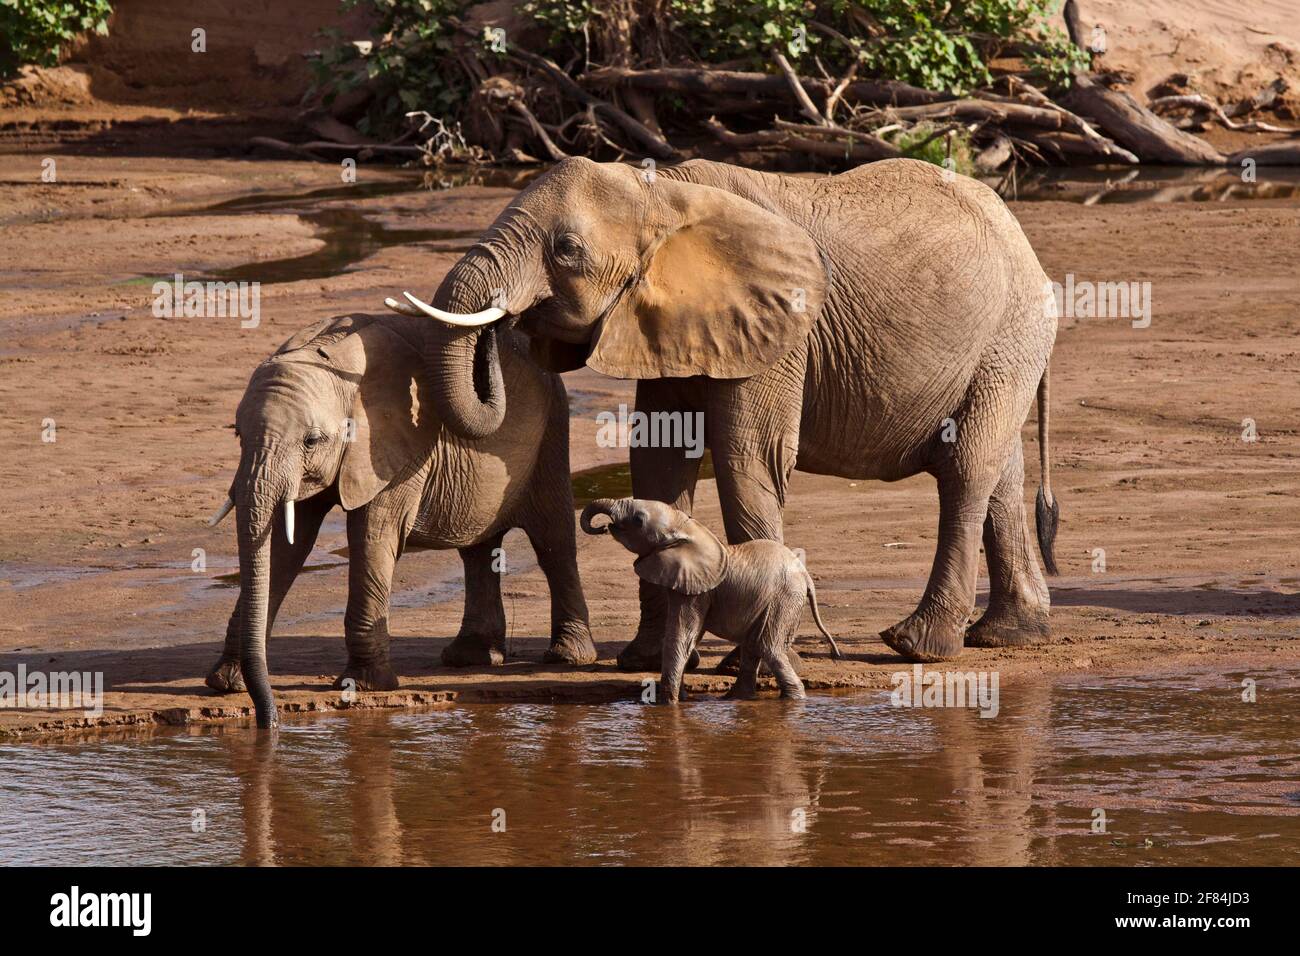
x: 1183, y: 770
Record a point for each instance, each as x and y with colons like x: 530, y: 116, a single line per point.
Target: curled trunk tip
x: 601, y: 506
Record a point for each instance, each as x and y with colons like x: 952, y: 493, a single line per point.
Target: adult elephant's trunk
x: 466, y: 379
x: 601, y: 506
x: 461, y: 351
x: 255, y: 506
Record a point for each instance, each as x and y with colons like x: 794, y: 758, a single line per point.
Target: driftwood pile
x: 527, y: 108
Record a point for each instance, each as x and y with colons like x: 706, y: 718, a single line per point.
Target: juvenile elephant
x: 881, y: 323
x: 344, y: 414
x: 751, y: 594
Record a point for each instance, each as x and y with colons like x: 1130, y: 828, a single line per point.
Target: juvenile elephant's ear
x: 695, y: 564
x: 392, y: 425
x: 728, y: 289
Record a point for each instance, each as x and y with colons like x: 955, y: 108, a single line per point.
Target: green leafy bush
x: 33, y: 31
x: 935, y: 44
x: 410, y: 66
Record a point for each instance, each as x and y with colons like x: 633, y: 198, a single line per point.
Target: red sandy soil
x: 97, y: 529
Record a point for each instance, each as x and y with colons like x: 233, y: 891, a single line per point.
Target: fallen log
x: 851, y: 149
x: 1198, y: 101
x: 1002, y: 112
x: 731, y: 82
x: 1271, y: 154
x: 638, y: 131
x: 311, y: 150
x: 1135, y: 127
x: 1069, y: 145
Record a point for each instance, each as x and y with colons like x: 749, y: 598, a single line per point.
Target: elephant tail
x: 817, y: 617
x: 1047, y: 510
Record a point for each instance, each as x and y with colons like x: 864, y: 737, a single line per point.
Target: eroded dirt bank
x: 99, y: 527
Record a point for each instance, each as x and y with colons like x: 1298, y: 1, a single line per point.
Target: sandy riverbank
x: 98, y: 527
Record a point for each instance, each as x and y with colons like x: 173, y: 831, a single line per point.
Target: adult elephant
x: 340, y: 415
x: 888, y: 321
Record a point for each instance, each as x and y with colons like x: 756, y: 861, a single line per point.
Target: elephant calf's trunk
x: 601, y: 506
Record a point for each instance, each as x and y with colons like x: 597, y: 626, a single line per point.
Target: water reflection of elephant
x: 714, y: 783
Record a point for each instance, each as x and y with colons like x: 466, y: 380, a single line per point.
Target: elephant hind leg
x: 1018, y: 598
x: 481, y: 640
x: 746, y: 685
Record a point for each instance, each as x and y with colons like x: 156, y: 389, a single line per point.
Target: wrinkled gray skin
x: 403, y: 480
x: 882, y: 323
x: 751, y: 594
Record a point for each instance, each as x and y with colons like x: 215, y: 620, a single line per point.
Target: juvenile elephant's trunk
x: 601, y: 506
x: 255, y: 510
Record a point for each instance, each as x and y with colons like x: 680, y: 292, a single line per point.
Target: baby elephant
x: 749, y: 593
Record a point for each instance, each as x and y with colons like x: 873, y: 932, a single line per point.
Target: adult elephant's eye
x: 313, y: 439
x: 568, y: 246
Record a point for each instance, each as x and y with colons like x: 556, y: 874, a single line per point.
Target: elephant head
x: 313, y: 421
x: 635, y: 275
x: 674, y: 550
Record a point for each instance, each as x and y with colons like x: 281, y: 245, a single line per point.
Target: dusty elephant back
x: 932, y: 283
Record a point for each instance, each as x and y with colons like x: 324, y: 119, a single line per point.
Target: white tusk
x: 402, y: 307
x: 454, y: 318
x: 288, y: 520
x: 221, y: 512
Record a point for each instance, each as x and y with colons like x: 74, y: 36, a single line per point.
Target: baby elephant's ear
x: 695, y: 564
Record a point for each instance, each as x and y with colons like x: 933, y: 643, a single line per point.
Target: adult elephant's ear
x: 694, y: 564
x: 727, y: 289
x: 392, y: 425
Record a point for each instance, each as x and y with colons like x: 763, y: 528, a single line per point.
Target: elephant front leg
x: 375, y: 535
x: 287, y: 560
x: 685, y: 624
x: 481, y: 640
x: 668, y: 475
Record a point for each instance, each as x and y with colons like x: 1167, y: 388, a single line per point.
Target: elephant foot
x: 475, y: 650
x: 741, y: 690
x: 226, y: 678
x: 1010, y: 626
x: 923, y: 640
x: 647, y: 655
x: 731, y: 663
x: 571, y: 644
x: 369, y: 677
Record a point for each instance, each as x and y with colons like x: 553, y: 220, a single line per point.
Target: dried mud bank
x: 1176, y: 546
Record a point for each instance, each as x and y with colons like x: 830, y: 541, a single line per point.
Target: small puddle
x: 349, y: 237
x: 1181, y: 770
x: 1146, y: 183
x: 615, y: 481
